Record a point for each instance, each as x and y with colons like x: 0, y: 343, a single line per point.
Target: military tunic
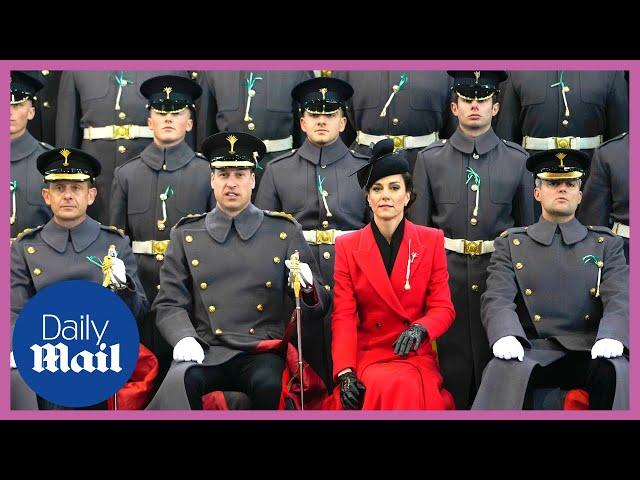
x: 43, y: 125
x: 88, y: 99
x: 605, y: 197
x: 446, y: 199
x: 51, y: 253
x: 541, y: 291
x: 31, y: 210
x: 224, y: 282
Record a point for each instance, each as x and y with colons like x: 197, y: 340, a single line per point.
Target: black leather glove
x: 411, y: 337
x: 351, y: 391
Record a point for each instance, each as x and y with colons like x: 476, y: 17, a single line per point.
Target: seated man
x: 556, y: 308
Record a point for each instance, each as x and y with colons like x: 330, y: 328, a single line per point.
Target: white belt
x: 620, y: 229
x: 150, y: 247
x: 549, y: 143
x: 323, y: 237
x: 279, y: 145
x: 469, y: 247
x: 399, y: 141
x: 115, y: 132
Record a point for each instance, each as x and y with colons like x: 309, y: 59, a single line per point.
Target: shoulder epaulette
x: 46, y: 146
x: 28, y: 232
x: 192, y: 217
x: 283, y: 156
x: 437, y: 144
x: 200, y: 155
x: 286, y: 215
x: 359, y: 155
x: 601, y: 229
x: 113, y: 228
x: 511, y: 230
x: 515, y: 146
x: 611, y: 140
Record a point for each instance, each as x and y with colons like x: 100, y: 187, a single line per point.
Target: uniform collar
x: 543, y: 231
x: 481, y: 145
x: 218, y: 224
x: 323, y: 155
x: 175, y: 157
x: 23, y: 146
x: 81, y: 235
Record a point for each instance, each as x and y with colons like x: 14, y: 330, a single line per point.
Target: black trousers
x: 258, y: 375
x: 576, y: 370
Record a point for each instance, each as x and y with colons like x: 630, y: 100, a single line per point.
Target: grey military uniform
x: 421, y: 108
x: 446, y: 199
x: 598, y: 103
x: 31, y: 210
x: 541, y: 291
x: 50, y: 253
x: 224, y: 282
x: 605, y: 198
x: 88, y: 99
x: 274, y: 114
x: 43, y: 125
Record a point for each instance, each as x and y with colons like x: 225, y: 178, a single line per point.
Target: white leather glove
x: 188, y: 350
x: 12, y: 361
x: 118, y: 273
x: 507, y: 348
x: 306, y: 277
x: 607, y: 348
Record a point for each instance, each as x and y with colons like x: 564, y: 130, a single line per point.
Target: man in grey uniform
x: 58, y: 250
x: 606, y: 193
x: 223, y: 288
x: 556, y: 309
x: 472, y: 186
x: 314, y: 184
x: 166, y: 182
x: 26, y: 206
x: 104, y: 114
x: 256, y: 102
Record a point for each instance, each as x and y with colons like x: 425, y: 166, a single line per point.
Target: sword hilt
x: 294, y: 262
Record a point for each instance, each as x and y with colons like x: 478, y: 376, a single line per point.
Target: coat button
x: 122, y: 149
x: 528, y: 292
x: 31, y: 250
x: 519, y: 266
x: 251, y: 126
x: 194, y: 75
x: 516, y: 242
x: 260, y: 307
x: 587, y: 317
x: 252, y: 330
x: 395, y: 121
x: 326, y: 255
x: 566, y: 89
x: 188, y: 239
x: 327, y: 288
x: 474, y: 187
x: 158, y: 287
x: 537, y: 318
x: 475, y: 287
x: 46, y: 104
x: 592, y: 291
x: 475, y: 156
x: 325, y: 224
x: 122, y: 115
x: 195, y: 262
x: 600, y: 239
x: 37, y: 271
x: 159, y: 257
x: 218, y: 331
x: 212, y: 308
x: 378, y: 325
x: 45, y: 73
x: 276, y: 259
x: 203, y: 286
x: 565, y: 123
x: 473, y: 221
x: 283, y: 235
x: 268, y: 284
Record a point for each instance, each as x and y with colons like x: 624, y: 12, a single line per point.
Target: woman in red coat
x: 391, y: 299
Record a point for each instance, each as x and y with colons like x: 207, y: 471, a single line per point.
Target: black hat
x: 170, y: 93
x: 383, y: 162
x: 477, y: 85
x: 68, y: 164
x: 233, y: 149
x: 23, y: 87
x: 558, y: 164
x: 322, y: 95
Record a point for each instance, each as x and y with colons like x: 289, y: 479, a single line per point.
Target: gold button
x: 31, y: 250
x: 600, y: 239
x: 326, y: 255
x: 158, y: 287
x: 327, y: 288
x: 45, y: 104
x: 474, y: 187
x: 565, y: 123
x: 268, y: 284
x: 473, y: 221
x: 283, y: 235
x: 475, y: 287
x: 194, y: 75
x: 260, y: 307
x: 587, y: 317
x: 252, y: 330
x: 203, y: 286
x: 251, y: 126
x: 218, y: 331
x: 592, y: 291
x: 325, y: 223
x: 528, y: 292
x: 276, y: 259
x: 475, y: 156
x: 45, y: 72
x: 516, y: 242
x: 188, y: 239
x: 395, y: 121
x: 160, y: 257
x: 122, y: 115
x: 537, y: 318
x: 212, y: 308
x: 566, y: 89
x: 122, y: 149
x: 37, y: 271
x: 600, y: 264
x: 519, y: 266
x: 195, y: 262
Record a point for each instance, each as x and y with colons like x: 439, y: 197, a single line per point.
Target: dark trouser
x: 44, y: 404
x: 258, y: 375
x: 576, y: 370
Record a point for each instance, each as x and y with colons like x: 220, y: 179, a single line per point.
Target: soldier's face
x: 559, y: 198
x: 387, y: 197
x: 169, y: 128
x: 475, y: 114
x: 232, y: 188
x: 323, y: 130
x: 68, y: 199
x: 20, y: 116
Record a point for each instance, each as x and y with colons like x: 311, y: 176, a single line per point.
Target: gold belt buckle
x: 121, y: 131
x: 158, y: 247
x: 325, y: 237
x: 563, y: 142
x: 398, y: 141
x: 472, y: 247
